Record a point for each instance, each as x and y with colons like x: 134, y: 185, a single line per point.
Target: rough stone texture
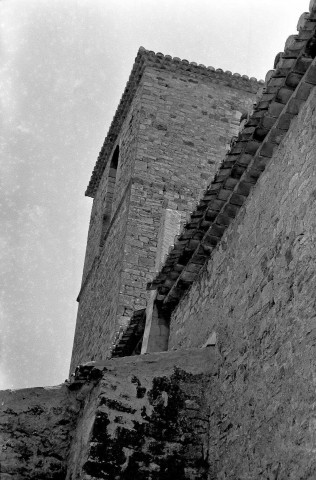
x: 147, y: 419
x: 171, y: 143
x: 257, y: 294
x: 36, y: 425
x: 127, y: 144
x: 99, y: 298
x: 169, y: 228
x: 140, y: 418
x: 144, y: 59
x: 242, y: 409
x: 170, y: 224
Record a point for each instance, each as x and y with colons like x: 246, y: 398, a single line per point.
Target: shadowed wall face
x: 171, y: 143
x: 258, y: 294
x: 36, y: 431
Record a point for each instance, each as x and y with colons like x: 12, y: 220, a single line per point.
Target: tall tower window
x: 110, y: 189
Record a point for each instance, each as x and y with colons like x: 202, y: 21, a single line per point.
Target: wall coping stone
x: 193, y: 360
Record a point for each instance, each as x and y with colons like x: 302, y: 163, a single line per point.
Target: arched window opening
x: 115, y: 158
x: 110, y: 189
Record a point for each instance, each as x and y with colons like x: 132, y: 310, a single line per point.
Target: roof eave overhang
x: 286, y: 90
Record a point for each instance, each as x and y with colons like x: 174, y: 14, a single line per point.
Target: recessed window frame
x: 110, y: 193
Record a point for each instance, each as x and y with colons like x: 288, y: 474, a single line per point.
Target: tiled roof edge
x: 286, y: 90
x: 175, y: 63
x: 166, y: 62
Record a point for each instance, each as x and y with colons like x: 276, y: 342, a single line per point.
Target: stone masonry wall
x: 98, y: 298
x: 36, y: 427
x: 258, y: 295
x: 171, y: 143
x: 97, y: 311
x: 148, y: 418
x: 127, y: 144
x: 185, y: 123
x: 169, y: 228
x: 140, y: 418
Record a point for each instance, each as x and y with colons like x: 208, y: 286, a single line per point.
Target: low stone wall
x: 36, y: 426
x: 150, y: 419
x: 196, y: 414
x: 140, y: 418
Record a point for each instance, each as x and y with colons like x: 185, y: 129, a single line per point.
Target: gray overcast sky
x: 63, y: 68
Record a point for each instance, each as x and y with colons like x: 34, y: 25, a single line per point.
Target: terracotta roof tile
x: 286, y: 89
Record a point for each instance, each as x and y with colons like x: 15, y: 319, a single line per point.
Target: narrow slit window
x: 110, y: 189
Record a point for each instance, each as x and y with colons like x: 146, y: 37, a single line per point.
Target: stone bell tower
x: 171, y: 130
